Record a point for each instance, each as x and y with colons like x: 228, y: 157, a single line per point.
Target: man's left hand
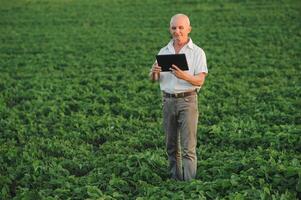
x: 197, y: 80
x: 179, y: 73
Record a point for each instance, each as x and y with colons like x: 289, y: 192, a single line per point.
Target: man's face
x: 179, y: 29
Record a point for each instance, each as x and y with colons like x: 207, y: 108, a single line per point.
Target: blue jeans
x: 180, y: 118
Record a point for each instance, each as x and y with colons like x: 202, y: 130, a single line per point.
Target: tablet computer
x: 166, y: 61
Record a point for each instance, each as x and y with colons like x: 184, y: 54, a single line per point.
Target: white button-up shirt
x: 196, y: 60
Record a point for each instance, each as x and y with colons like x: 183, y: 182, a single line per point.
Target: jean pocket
x: 163, y: 101
x: 190, y: 99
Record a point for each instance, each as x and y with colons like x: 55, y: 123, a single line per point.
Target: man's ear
x: 170, y: 35
x: 190, y: 28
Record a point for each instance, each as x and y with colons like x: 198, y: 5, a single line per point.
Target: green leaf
x: 94, y: 192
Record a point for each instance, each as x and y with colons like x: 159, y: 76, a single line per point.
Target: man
x: 180, y: 106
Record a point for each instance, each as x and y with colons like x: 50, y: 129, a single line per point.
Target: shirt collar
x: 190, y: 43
x: 171, y: 48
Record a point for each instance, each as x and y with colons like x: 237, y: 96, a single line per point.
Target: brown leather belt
x: 179, y: 95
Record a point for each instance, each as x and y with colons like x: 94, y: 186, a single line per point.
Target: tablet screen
x: 166, y: 61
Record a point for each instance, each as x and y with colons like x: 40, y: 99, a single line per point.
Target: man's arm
x: 197, y: 80
x: 155, y: 72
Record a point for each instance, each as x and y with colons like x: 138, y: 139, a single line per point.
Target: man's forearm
x: 197, y: 80
x: 154, y: 76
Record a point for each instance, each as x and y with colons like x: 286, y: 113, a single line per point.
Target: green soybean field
x: 80, y: 119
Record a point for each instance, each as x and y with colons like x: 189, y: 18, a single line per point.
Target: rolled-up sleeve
x: 200, y: 62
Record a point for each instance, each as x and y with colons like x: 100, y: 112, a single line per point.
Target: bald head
x: 180, y: 28
x: 181, y: 17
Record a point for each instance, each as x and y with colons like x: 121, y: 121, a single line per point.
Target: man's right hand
x: 155, y: 72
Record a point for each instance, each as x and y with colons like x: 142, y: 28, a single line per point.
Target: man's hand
x: 156, y: 68
x: 197, y: 80
x: 155, y: 72
x: 179, y: 73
